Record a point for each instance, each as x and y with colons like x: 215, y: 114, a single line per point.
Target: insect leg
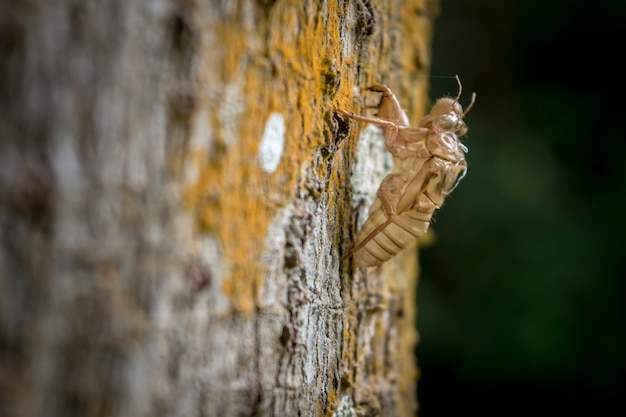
x: 388, y: 208
x: 418, y: 184
x: 391, y: 127
x: 386, y: 91
x: 389, y: 107
x: 370, y: 119
x: 389, y: 211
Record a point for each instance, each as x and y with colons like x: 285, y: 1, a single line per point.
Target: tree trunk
x: 176, y: 190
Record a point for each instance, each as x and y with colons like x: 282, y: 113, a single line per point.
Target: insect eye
x: 447, y: 121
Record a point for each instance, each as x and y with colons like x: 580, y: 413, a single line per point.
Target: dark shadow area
x: 520, y: 301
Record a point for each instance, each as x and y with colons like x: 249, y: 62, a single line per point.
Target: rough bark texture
x: 175, y: 192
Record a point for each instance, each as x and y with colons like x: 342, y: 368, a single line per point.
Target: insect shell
x: 429, y: 163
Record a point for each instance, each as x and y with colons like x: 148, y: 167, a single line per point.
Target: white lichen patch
x: 373, y: 164
x: 345, y: 409
x: 231, y: 107
x: 272, y: 142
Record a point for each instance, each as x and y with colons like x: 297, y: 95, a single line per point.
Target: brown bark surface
x: 176, y: 190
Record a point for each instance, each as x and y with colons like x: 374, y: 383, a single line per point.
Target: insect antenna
x: 469, y: 106
x: 458, y: 80
x: 458, y: 96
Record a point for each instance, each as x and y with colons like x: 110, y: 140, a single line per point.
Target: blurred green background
x: 521, y: 299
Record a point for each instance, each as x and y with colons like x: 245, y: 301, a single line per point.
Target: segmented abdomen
x: 381, y: 237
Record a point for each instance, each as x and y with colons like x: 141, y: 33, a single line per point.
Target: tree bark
x: 176, y: 190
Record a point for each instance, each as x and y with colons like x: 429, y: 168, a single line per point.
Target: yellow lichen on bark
x: 288, y: 73
x: 302, y: 62
x: 300, y: 70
